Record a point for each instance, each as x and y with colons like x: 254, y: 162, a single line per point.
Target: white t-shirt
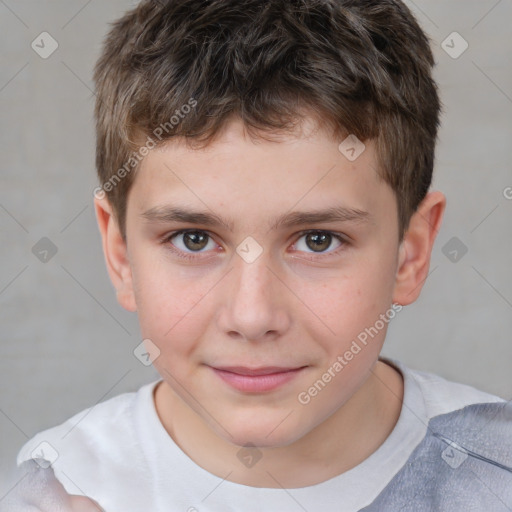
x: 448, y: 437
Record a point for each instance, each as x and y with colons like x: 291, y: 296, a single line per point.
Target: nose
x: 255, y: 302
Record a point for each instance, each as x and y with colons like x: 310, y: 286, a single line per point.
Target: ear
x: 416, y: 248
x: 116, y: 254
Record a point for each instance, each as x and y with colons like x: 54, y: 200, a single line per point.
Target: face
x: 239, y: 269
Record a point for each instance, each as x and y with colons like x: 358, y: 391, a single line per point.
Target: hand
x: 39, y: 491
x: 83, y: 504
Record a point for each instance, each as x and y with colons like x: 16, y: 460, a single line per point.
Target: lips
x: 257, y: 380
x: 267, y: 370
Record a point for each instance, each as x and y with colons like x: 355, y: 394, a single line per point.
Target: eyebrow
x: 166, y: 214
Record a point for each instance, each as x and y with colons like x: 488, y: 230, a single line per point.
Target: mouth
x: 255, y: 372
x: 257, y: 380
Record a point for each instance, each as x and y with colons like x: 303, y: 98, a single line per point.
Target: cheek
x: 171, y: 308
x: 351, y: 306
x: 352, y: 299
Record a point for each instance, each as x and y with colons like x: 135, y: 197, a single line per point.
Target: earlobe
x: 116, y: 254
x: 416, y: 248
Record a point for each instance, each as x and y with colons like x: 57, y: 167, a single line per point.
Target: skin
x: 296, y: 305
x: 40, y: 491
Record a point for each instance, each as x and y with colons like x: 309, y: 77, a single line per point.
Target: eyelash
x: 194, y: 256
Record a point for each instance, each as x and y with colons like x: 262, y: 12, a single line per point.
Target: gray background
x: 66, y: 344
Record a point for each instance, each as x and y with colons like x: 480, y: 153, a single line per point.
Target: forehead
x: 262, y: 178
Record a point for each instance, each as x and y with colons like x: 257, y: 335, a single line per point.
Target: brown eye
x: 190, y: 241
x: 195, y: 240
x: 318, y: 242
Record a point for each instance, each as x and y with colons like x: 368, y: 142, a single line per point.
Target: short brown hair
x: 362, y: 66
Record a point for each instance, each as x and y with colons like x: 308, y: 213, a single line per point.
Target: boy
x: 265, y: 208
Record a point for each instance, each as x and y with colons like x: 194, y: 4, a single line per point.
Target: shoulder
x: 440, y: 395
x: 481, y: 430
x: 462, y: 414
x: 464, y: 461
x: 104, y: 433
